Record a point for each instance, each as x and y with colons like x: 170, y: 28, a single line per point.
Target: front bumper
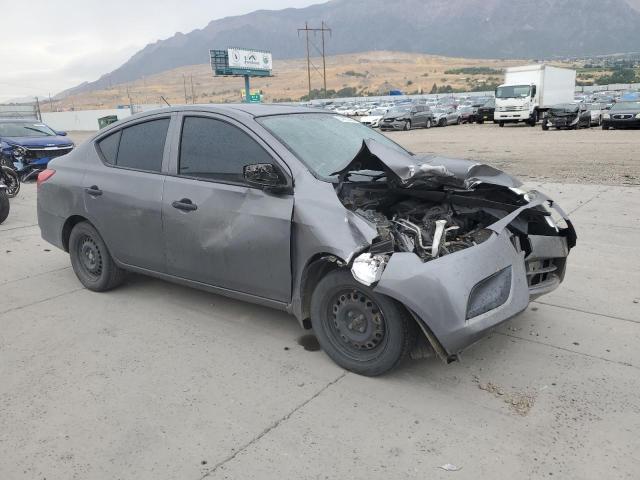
x: 442, y: 293
x: 561, y: 122
x: 613, y: 123
x: 516, y: 116
x: 394, y: 125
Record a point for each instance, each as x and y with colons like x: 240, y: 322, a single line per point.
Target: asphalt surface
x: 156, y: 381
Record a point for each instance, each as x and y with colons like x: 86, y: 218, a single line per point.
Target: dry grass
x: 381, y: 71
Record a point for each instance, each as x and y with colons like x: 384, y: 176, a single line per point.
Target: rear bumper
x: 51, y: 227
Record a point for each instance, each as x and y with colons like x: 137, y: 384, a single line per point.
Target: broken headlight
x: 367, y: 268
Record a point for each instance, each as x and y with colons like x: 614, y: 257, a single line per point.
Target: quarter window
x: 109, y: 147
x: 211, y: 149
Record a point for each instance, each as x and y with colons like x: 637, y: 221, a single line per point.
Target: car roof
x: 250, y: 109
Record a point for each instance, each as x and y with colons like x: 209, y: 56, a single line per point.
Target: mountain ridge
x: 463, y: 28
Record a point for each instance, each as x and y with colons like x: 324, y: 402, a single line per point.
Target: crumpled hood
x: 405, y: 169
x: 53, y: 141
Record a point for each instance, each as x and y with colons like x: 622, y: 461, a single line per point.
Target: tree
x: 434, y: 89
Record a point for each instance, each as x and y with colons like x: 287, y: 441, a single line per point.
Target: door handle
x: 93, y: 190
x: 186, y: 205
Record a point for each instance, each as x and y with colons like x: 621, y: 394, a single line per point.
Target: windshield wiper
x: 39, y: 131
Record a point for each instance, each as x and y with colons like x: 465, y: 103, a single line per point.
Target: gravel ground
x: 529, y: 153
x: 589, y: 156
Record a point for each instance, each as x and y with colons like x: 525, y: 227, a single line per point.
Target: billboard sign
x: 250, y: 60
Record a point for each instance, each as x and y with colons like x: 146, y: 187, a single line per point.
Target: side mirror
x: 266, y: 176
x: 61, y: 133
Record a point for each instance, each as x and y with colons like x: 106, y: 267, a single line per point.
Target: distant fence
x: 81, y: 120
x: 19, y: 111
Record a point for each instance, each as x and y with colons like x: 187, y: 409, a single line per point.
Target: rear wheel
x: 545, y: 127
x: 11, y: 180
x: 501, y: 124
x: 407, y: 125
x: 4, y: 205
x: 91, y: 260
x: 360, y: 330
x: 428, y: 125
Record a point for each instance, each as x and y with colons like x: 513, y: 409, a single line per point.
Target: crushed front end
x: 459, y: 244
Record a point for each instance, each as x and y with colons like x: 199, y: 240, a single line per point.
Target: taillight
x: 45, y: 175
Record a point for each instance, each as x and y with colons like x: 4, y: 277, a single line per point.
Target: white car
x: 373, y: 119
x: 596, y: 109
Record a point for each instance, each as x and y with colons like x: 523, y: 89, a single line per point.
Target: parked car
x: 407, y: 117
x: 30, y: 144
x: 311, y: 213
x: 486, y: 112
x: 467, y: 114
x: 596, y: 110
x: 446, y: 116
x: 567, y: 115
x: 374, y: 117
x: 622, y: 115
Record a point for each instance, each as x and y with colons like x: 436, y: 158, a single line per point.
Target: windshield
x: 378, y: 111
x: 25, y: 129
x: 325, y: 143
x: 565, y: 107
x: 513, y: 91
x: 626, y: 106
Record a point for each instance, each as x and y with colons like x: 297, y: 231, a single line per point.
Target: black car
x: 407, y: 117
x: 567, y: 115
x: 485, y: 112
x: 622, y: 115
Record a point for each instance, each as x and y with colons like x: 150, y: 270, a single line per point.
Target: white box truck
x: 530, y: 91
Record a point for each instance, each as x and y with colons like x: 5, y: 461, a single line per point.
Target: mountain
x: 463, y: 28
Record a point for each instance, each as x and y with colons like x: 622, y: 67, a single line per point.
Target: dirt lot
x: 591, y: 156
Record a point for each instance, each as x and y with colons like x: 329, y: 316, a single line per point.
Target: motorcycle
x: 10, y: 178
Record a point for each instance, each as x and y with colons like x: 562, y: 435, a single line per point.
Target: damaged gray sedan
x: 384, y: 254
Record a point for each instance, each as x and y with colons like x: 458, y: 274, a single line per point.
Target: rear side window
x: 109, y: 147
x: 211, y: 149
x: 140, y: 147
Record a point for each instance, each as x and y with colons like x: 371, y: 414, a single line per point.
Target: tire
x: 11, y: 180
x: 533, y: 121
x: 407, y: 125
x: 480, y: 122
x: 605, y: 127
x: 428, y: 125
x: 91, y: 260
x: 545, y: 127
x: 388, y: 332
x: 443, y: 122
x: 5, y: 206
x: 501, y: 124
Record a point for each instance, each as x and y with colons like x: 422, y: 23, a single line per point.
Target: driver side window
x: 212, y: 149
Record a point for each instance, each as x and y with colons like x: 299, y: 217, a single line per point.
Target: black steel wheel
x: 91, y: 260
x: 359, y: 329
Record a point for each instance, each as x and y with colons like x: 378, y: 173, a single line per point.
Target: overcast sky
x: 48, y: 46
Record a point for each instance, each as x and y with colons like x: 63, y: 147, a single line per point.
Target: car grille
x: 541, y: 272
x: 623, y: 116
x: 510, y: 109
x: 47, y: 152
x: 389, y: 120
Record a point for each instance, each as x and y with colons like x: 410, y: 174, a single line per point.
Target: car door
x: 219, y: 230
x: 123, y: 194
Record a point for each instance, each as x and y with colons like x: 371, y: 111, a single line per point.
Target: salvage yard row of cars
x: 606, y: 110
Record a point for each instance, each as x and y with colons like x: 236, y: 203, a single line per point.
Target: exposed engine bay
x: 430, y: 211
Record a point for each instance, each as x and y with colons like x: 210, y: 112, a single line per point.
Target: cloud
x: 51, y: 46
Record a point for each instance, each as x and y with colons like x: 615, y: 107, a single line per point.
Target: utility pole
x: 307, y: 30
x: 50, y: 103
x: 193, y: 92
x: 38, y: 112
x: 184, y: 84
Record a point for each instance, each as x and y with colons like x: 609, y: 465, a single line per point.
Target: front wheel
x: 545, y: 127
x: 407, y: 125
x: 91, y: 260
x: 360, y: 330
x: 11, y: 180
x: 501, y: 124
x: 428, y: 125
x: 4, y: 205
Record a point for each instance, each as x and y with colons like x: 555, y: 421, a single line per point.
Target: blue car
x: 28, y: 145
